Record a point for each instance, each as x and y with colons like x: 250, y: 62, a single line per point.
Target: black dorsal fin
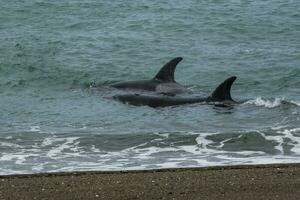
x: 222, y: 92
x: 166, y: 73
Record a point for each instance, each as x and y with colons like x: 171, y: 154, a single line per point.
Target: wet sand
x: 280, y: 181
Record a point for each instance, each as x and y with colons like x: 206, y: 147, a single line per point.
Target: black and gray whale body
x: 164, y: 81
x: 220, y: 94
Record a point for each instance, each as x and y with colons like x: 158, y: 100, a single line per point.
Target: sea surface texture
x: 57, y: 59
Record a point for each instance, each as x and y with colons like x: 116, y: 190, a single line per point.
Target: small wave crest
x: 295, y: 103
x: 279, y: 101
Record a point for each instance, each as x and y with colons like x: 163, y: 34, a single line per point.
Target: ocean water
x: 58, y: 57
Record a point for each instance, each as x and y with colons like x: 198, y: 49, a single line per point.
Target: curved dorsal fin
x: 222, y: 92
x: 166, y: 73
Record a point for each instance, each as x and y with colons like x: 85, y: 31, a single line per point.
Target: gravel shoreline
x: 274, y: 181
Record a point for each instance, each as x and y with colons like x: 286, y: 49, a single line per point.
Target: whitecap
x: 35, y: 129
x: 289, y: 133
x: 68, y: 143
x: 266, y: 103
x: 296, y: 103
x: 19, y: 158
x: 6, y: 144
x: 278, y: 139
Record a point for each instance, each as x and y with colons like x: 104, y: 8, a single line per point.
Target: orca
x: 164, y: 81
x: 220, y: 94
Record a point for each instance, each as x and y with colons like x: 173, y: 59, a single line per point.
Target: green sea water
x: 58, y: 57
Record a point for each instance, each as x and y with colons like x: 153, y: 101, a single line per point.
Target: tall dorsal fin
x: 222, y: 92
x: 166, y: 73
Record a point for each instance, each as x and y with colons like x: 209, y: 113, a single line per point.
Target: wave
x: 160, y: 150
x: 279, y: 101
x: 296, y: 103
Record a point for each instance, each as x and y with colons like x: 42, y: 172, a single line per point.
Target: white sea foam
x: 271, y: 103
x: 7, y: 144
x: 277, y: 138
x: 296, y: 103
x: 37, y: 168
x: 290, y: 134
x: 56, y: 151
x: 284, y: 134
x: 19, y: 158
x: 266, y: 103
x: 206, y: 152
x: 202, y: 141
x: 165, y: 135
x: 94, y: 149
x: 35, y: 129
x: 48, y: 141
x: 278, y: 127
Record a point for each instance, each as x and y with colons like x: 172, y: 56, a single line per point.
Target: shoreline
x: 96, y: 172
x: 267, y: 181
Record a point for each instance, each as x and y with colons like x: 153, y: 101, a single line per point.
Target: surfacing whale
x: 164, y: 81
x: 220, y: 94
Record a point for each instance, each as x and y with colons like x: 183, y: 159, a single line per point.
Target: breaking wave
x: 158, y: 150
x: 272, y: 103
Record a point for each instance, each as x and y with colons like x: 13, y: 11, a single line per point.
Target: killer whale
x: 220, y: 94
x: 163, y: 82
